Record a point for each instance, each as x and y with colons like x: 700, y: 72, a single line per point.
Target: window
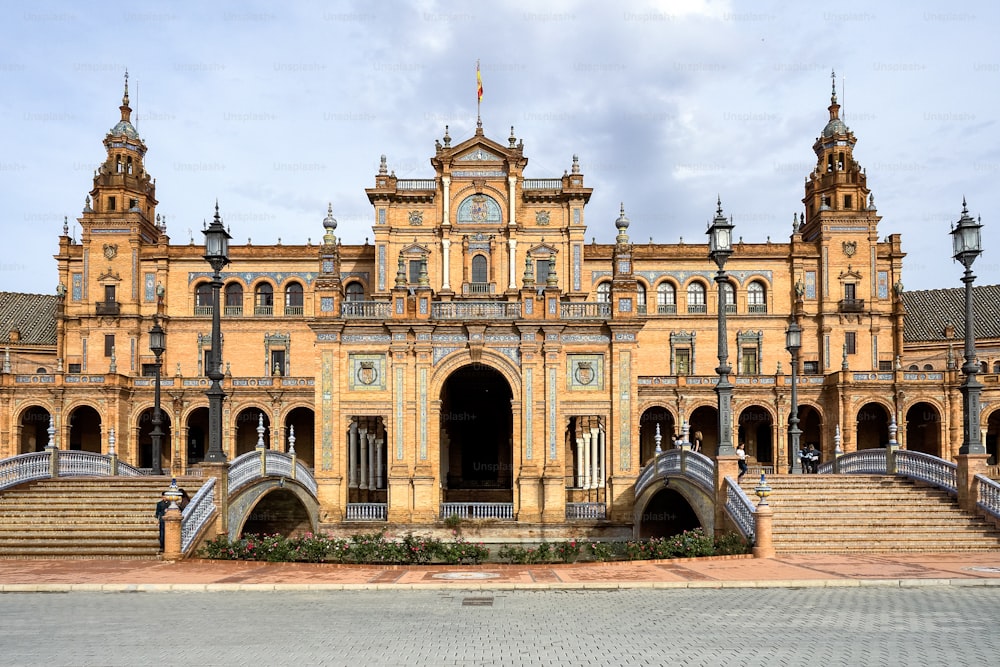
x: 109, y: 294
x: 682, y: 360
x: 666, y: 299
x: 604, y: 292
x: 203, y: 295
x: 109, y: 345
x: 984, y: 367
x: 75, y: 368
x: 848, y: 201
x: 293, y: 299
x: 355, y: 291
x: 756, y: 297
x: 748, y: 361
x: 133, y: 204
x: 996, y: 366
x: 414, y: 266
x: 234, y: 299
x: 696, y: 298
x: 640, y: 299
x: 913, y: 367
x: 542, y: 272
x: 886, y: 367
x: 111, y: 203
x: 263, y: 299
x: 810, y: 368
x: 277, y: 362
x: 851, y: 342
x: 850, y: 291
x: 479, y: 269
x: 148, y: 370
x: 729, y: 297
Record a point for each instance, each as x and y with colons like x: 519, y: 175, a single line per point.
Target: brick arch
x: 460, y: 358
x: 241, y: 505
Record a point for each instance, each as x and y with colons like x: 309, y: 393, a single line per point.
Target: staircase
x: 869, y: 514
x: 84, y: 517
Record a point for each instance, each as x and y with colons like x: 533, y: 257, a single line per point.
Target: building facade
x: 479, y: 349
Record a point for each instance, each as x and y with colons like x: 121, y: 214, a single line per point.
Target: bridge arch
x: 667, y: 502
x: 279, y: 504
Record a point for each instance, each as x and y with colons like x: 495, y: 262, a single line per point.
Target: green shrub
x: 732, y: 543
x: 567, y: 551
x: 602, y: 551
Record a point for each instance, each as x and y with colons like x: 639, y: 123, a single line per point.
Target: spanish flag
x: 479, y: 81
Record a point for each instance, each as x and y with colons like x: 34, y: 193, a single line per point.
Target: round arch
x: 992, y: 436
x: 487, y: 358
x: 144, y: 443
x: 242, y: 507
x: 84, y: 432
x: 652, y: 508
x: 33, y: 421
x: 303, y: 418
x: 923, y: 428
x: 756, y: 431
x: 195, y: 420
x: 651, y: 417
x: 245, y: 426
x: 704, y: 421
x: 872, y: 431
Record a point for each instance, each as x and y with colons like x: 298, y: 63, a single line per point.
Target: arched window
x: 756, y: 297
x: 913, y: 367
x: 640, y: 299
x: 480, y: 273
x: 928, y: 367
x: 984, y: 367
x: 293, y: 299
x: 203, y: 299
x: 263, y: 300
x: 729, y: 297
x: 696, y: 298
x: 354, y: 291
x: 604, y: 292
x: 666, y: 299
x: 234, y: 299
x: 996, y: 366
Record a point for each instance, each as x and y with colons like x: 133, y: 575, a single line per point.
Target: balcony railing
x: 851, y: 305
x: 730, y: 308
x: 542, y: 183
x: 666, y: 309
x: 232, y: 311
x: 585, y: 310
x: 479, y: 288
x: 107, y: 308
x: 697, y: 308
x: 366, y: 511
x: 757, y: 308
x: 591, y: 511
x: 461, y: 310
x: 416, y: 184
x: 202, y: 310
x: 293, y: 310
x: 266, y: 311
x: 365, y: 310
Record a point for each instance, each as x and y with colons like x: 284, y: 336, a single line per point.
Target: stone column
x: 379, y: 463
x: 602, y: 459
x: 372, y: 472
x: 969, y: 465
x: 352, y: 455
x: 446, y: 201
x: 764, y: 544
x: 172, y: 534
x: 363, y: 435
x: 587, y: 449
x: 445, y: 263
x: 595, y: 470
x: 578, y: 473
x: 512, y: 261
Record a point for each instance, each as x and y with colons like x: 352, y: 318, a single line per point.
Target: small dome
x: 835, y: 126
x: 125, y: 128
x: 622, y: 222
x: 329, y: 222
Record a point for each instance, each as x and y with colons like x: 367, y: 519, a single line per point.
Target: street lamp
x: 217, y: 255
x: 157, y: 344
x: 967, y: 245
x: 793, y: 342
x: 720, y: 247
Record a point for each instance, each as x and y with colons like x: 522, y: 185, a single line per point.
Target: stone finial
x: 513, y: 140
x: 552, y: 280
x: 51, y: 430
x: 576, y: 164
x: 111, y: 441
x: 423, y: 279
x: 260, y: 431
x: 528, y: 279
x: 447, y: 137
x: 383, y: 168
x: 401, y: 272
x: 837, y: 449
x: 291, y: 439
x: 658, y: 438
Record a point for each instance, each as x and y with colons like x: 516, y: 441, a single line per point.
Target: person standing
x: 741, y: 459
x: 161, y: 512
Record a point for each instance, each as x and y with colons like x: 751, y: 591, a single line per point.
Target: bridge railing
x: 694, y: 465
x: 199, y: 512
x: 988, y: 495
x: 269, y: 463
x: 61, y: 463
x: 864, y: 462
x: 740, y: 509
x: 25, y: 468
x: 927, y: 468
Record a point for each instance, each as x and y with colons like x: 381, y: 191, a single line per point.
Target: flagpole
x: 479, y: 96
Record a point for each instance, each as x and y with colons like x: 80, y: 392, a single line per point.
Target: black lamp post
x: 967, y: 245
x: 217, y: 255
x: 720, y: 247
x: 793, y: 342
x: 157, y: 344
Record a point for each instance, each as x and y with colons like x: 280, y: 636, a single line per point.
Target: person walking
x: 741, y: 456
x: 161, y: 511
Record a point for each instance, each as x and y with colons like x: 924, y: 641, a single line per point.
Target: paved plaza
x: 880, y: 625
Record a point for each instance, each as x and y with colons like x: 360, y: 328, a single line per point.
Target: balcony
x: 416, y: 184
x: 542, y: 184
x: 757, y: 308
x: 107, y: 308
x: 365, y: 310
x: 697, y: 308
x: 851, y: 305
x: 479, y: 288
x: 730, y: 308
x: 232, y: 311
x: 263, y: 311
x: 294, y: 310
x: 473, y: 310
x: 585, y: 311
x: 366, y: 511
x: 202, y: 311
x: 666, y: 309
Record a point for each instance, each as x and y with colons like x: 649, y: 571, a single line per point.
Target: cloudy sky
x: 276, y: 109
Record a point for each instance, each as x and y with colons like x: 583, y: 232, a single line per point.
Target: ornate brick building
x: 479, y: 349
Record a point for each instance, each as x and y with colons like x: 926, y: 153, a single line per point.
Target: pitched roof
x: 33, y: 315
x: 928, y: 312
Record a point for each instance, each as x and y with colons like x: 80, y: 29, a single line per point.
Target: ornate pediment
x: 479, y: 154
x: 110, y: 276
x: 415, y: 249
x: 850, y: 273
x: 542, y: 249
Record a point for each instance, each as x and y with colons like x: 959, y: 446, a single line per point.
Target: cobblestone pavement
x: 922, y: 625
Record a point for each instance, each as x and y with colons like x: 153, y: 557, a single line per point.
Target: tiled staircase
x: 869, y: 513
x: 84, y: 517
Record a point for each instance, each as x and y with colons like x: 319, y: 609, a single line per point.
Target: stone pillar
x: 372, y: 472
x: 445, y: 263
x: 595, y: 458
x: 969, y: 465
x: 725, y: 466
x: 379, y: 463
x: 762, y: 520
x: 352, y: 455
x: 512, y: 264
x: 586, y: 461
x: 220, y: 471
x: 172, y: 534
x: 363, y: 438
x: 578, y: 473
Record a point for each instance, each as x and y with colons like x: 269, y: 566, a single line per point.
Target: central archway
x: 477, y: 462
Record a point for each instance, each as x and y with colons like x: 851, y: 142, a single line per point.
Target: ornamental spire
x: 125, y: 108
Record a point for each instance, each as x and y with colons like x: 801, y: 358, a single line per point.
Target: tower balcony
x: 851, y: 305
x: 107, y: 308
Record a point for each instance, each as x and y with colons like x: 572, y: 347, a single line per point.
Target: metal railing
x: 757, y: 308
x: 199, y: 512
x: 366, y: 511
x: 586, y: 511
x: 366, y: 310
x: 460, y: 310
x: 988, y: 495
x: 585, y: 310
x: 666, y: 309
x: 927, y: 468
x: 232, y: 311
x: 740, y: 509
x: 479, y: 288
x: 851, y: 305
x: 503, y: 511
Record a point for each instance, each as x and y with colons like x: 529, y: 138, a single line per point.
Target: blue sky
x: 276, y: 109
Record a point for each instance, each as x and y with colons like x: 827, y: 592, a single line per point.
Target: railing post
x: 763, y: 522
x: 261, y: 450
x: 291, y: 447
x: 111, y: 451
x: 838, y: 451
x: 53, y: 449
x: 969, y: 465
x: 172, y: 525
x: 892, y: 448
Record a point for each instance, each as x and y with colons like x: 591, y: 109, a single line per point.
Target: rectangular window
x: 111, y: 203
x: 75, y: 368
x: 277, y: 362
x: 206, y: 360
x: 414, y: 271
x: 109, y: 294
x: 847, y: 201
x: 682, y: 360
x: 850, y: 291
x: 885, y: 366
x: 748, y: 361
x: 541, y: 272
x: 109, y: 344
x: 851, y: 342
x: 810, y: 368
x: 148, y: 370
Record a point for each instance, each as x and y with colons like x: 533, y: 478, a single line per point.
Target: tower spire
x: 125, y: 108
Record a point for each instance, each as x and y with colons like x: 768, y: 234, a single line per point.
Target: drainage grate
x: 477, y: 602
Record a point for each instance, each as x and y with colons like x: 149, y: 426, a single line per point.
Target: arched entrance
x: 923, y: 429
x: 146, y: 440
x: 34, y: 430
x: 477, y: 427
x: 304, y: 421
x: 992, y: 437
x: 197, y: 435
x: 668, y: 513
x: 755, y: 431
x: 873, y: 427
x: 247, y: 422
x: 279, y: 512
x: 85, y: 430
x: 705, y: 424
x: 811, y: 425
x: 650, y: 419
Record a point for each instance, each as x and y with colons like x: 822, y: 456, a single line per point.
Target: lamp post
x: 967, y: 245
x: 720, y: 247
x: 217, y: 255
x: 793, y: 342
x: 157, y: 344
